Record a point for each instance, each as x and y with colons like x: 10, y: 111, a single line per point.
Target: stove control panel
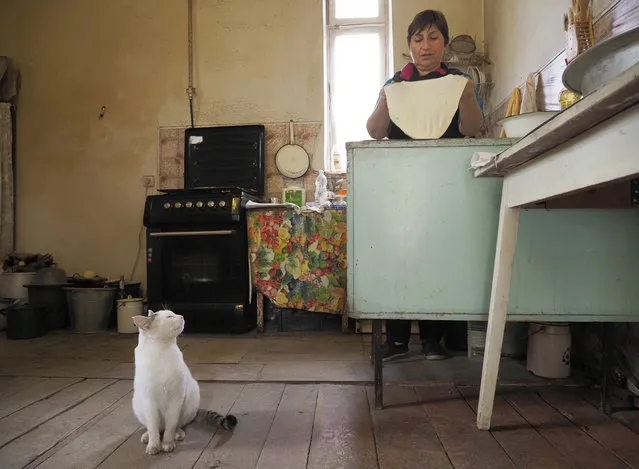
x: 233, y: 205
x: 178, y: 209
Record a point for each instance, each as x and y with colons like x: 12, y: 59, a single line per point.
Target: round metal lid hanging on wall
x: 292, y: 160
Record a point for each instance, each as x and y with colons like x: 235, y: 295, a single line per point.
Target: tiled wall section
x: 622, y: 16
x: 171, y: 169
x: 307, y: 134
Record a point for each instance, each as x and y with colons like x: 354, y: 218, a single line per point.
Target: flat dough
x: 424, y: 109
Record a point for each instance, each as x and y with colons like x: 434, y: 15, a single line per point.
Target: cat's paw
x: 153, y: 449
x: 179, y: 434
x: 145, y: 438
x: 168, y: 447
x: 229, y: 422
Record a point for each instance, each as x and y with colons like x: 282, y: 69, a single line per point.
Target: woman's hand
x: 379, y: 120
x: 471, y: 120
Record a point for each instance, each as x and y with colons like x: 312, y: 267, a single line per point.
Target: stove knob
x: 199, y: 204
x: 188, y: 204
x: 222, y: 204
x: 178, y: 205
x: 210, y: 203
x: 167, y: 205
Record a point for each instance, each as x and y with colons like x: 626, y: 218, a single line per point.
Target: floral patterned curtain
x: 298, y: 259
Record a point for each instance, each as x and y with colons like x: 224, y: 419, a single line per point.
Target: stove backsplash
x: 307, y: 134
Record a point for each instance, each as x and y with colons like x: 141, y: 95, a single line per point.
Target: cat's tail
x: 209, y: 417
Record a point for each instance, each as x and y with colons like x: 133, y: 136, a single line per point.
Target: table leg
x: 345, y: 321
x: 606, y: 369
x: 372, y: 347
x: 498, y: 309
x: 377, y: 363
x: 260, y: 312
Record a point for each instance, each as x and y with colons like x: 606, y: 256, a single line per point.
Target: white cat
x: 165, y: 396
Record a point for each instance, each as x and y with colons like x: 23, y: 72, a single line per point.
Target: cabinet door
x: 421, y: 231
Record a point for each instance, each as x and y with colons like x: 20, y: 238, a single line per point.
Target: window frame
x: 335, y: 27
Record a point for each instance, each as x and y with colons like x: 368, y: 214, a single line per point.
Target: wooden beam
x: 605, y: 154
x: 615, y: 195
x: 604, y: 103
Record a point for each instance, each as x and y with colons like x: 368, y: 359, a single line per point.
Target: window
x: 358, y: 64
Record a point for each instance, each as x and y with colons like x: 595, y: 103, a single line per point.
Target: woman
x: 427, y: 38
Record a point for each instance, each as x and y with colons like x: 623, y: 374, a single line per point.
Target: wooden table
x: 593, y: 144
x: 427, y: 239
x: 298, y: 259
x: 421, y: 233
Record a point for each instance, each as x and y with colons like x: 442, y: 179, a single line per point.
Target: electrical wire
x: 140, y: 234
x: 190, y: 91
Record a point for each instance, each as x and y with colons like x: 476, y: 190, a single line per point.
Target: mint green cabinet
x: 422, y: 233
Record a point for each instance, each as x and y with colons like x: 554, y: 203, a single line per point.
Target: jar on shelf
x: 568, y: 98
x: 338, y: 159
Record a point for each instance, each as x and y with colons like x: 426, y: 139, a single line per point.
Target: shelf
x: 476, y: 59
x: 621, y: 93
x: 453, y: 59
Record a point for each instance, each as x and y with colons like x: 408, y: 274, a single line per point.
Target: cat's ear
x: 150, y: 312
x: 142, y: 322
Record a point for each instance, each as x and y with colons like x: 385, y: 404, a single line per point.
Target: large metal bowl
x: 521, y: 125
x: 600, y: 64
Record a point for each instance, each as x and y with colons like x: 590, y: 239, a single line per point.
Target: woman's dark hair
x: 429, y: 18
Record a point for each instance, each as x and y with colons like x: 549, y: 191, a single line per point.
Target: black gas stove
x: 197, y: 247
x: 195, y: 207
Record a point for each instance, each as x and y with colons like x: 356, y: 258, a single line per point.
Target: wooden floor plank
x: 13, y: 385
x: 21, y: 422
x: 343, y: 431
x: 92, y: 446
x: 318, y: 372
x: 222, y: 350
x: 403, y: 435
x: 255, y: 409
x: 525, y: 447
x: 219, y: 397
x: 563, y: 434
x: 40, y: 389
x: 29, y: 446
x: 629, y: 418
x: 289, y: 439
x: 609, y: 433
x: 336, y: 429
x: 50, y: 367
x: 454, y: 422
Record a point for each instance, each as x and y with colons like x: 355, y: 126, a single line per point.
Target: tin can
x: 568, y: 98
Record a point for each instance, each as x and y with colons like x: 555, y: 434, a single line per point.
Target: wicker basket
x: 579, y: 37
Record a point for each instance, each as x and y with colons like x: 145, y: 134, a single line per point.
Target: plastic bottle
x: 337, y: 160
x: 321, y: 191
x: 122, y: 291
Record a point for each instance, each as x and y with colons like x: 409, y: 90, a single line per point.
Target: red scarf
x: 409, y: 72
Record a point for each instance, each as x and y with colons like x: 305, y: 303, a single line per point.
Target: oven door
x: 198, y: 266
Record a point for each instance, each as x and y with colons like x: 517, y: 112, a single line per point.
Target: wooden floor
x: 52, y: 417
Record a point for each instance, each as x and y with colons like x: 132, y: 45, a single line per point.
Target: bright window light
x: 357, y: 78
x: 345, y: 9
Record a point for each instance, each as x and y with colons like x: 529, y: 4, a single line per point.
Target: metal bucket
x: 549, y: 350
x: 50, y: 298
x: 514, y: 345
x: 127, y: 308
x: 12, y: 284
x: 25, y: 322
x: 89, y: 308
